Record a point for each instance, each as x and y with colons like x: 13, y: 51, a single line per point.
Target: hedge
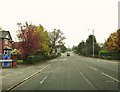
x: 35, y: 59
x: 39, y: 58
x: 104, y: 54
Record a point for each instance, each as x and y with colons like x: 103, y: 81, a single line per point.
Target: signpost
x: 6, y: 63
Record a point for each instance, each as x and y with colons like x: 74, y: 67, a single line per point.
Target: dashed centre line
x: 106, y: 75
x: 24, y: 80
x: 93, y: 68
x: 43, y: 80
x: 110, y: 77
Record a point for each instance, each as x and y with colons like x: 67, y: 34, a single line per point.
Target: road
x: 75, y: 73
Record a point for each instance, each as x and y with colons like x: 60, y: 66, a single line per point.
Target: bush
x: 38, y: 58
x: 35, y: 59
x: 111, y: 55
x: 104, y: 53
x: 51, y: 57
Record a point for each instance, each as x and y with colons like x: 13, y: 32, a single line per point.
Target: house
x: 16, y: 45
x: 5, y: 43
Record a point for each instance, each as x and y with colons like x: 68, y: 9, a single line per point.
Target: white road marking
x: 86, y: 79
x: 43, y: 80
x: 48, y: 67
x: 44, y: 67
x: 24, y: 80
x: 19, y: 70
x: 110, y: 77
x: 93, y: 68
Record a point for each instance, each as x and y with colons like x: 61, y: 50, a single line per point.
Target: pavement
x: 64, y: 73
x: 11, y: 77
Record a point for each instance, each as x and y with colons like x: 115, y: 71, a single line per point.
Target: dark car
x: 59, y: 54
x: 68, y: 54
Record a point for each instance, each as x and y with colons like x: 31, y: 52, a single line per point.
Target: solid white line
x: 43, y: 80
x: 86, y: 79
x: 93, y: 68
x: 110, y: 77
x: 24, y: 80
x: 44, y: 67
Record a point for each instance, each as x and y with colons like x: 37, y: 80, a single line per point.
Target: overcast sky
x: 73, y: 17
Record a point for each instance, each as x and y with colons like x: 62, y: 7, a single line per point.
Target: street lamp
x: 93, y: 42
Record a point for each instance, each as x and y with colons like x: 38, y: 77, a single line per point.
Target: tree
x: 74, y: 48
x: 63, y: 48
x: 112, y: 42
x: 118, y: 36
x: 86, y: 48
x: 45, y: 40
x: 29, y: 39
x: 81, y: 45
x: 111, y: 47
x: 56, y: 38
x: 89, y: 45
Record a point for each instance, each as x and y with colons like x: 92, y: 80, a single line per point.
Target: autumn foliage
x: 44, y: 40
x: 118, y: 34
x: 113, y: 42
x: 29, y: 39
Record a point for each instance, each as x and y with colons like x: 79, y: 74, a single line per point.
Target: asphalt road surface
x: 75, y: 73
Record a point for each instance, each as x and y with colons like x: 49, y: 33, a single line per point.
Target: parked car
x: 68, y: 54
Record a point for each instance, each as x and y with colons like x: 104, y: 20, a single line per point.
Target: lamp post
x: 93, y: 42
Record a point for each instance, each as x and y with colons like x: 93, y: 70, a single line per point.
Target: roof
x: 3, y: 34
x: 16, y: 45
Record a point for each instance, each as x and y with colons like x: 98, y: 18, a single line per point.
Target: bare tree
x: 56, y: 38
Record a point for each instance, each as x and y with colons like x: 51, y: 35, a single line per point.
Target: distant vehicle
x: 68, y: 54
x: 59, y: 54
